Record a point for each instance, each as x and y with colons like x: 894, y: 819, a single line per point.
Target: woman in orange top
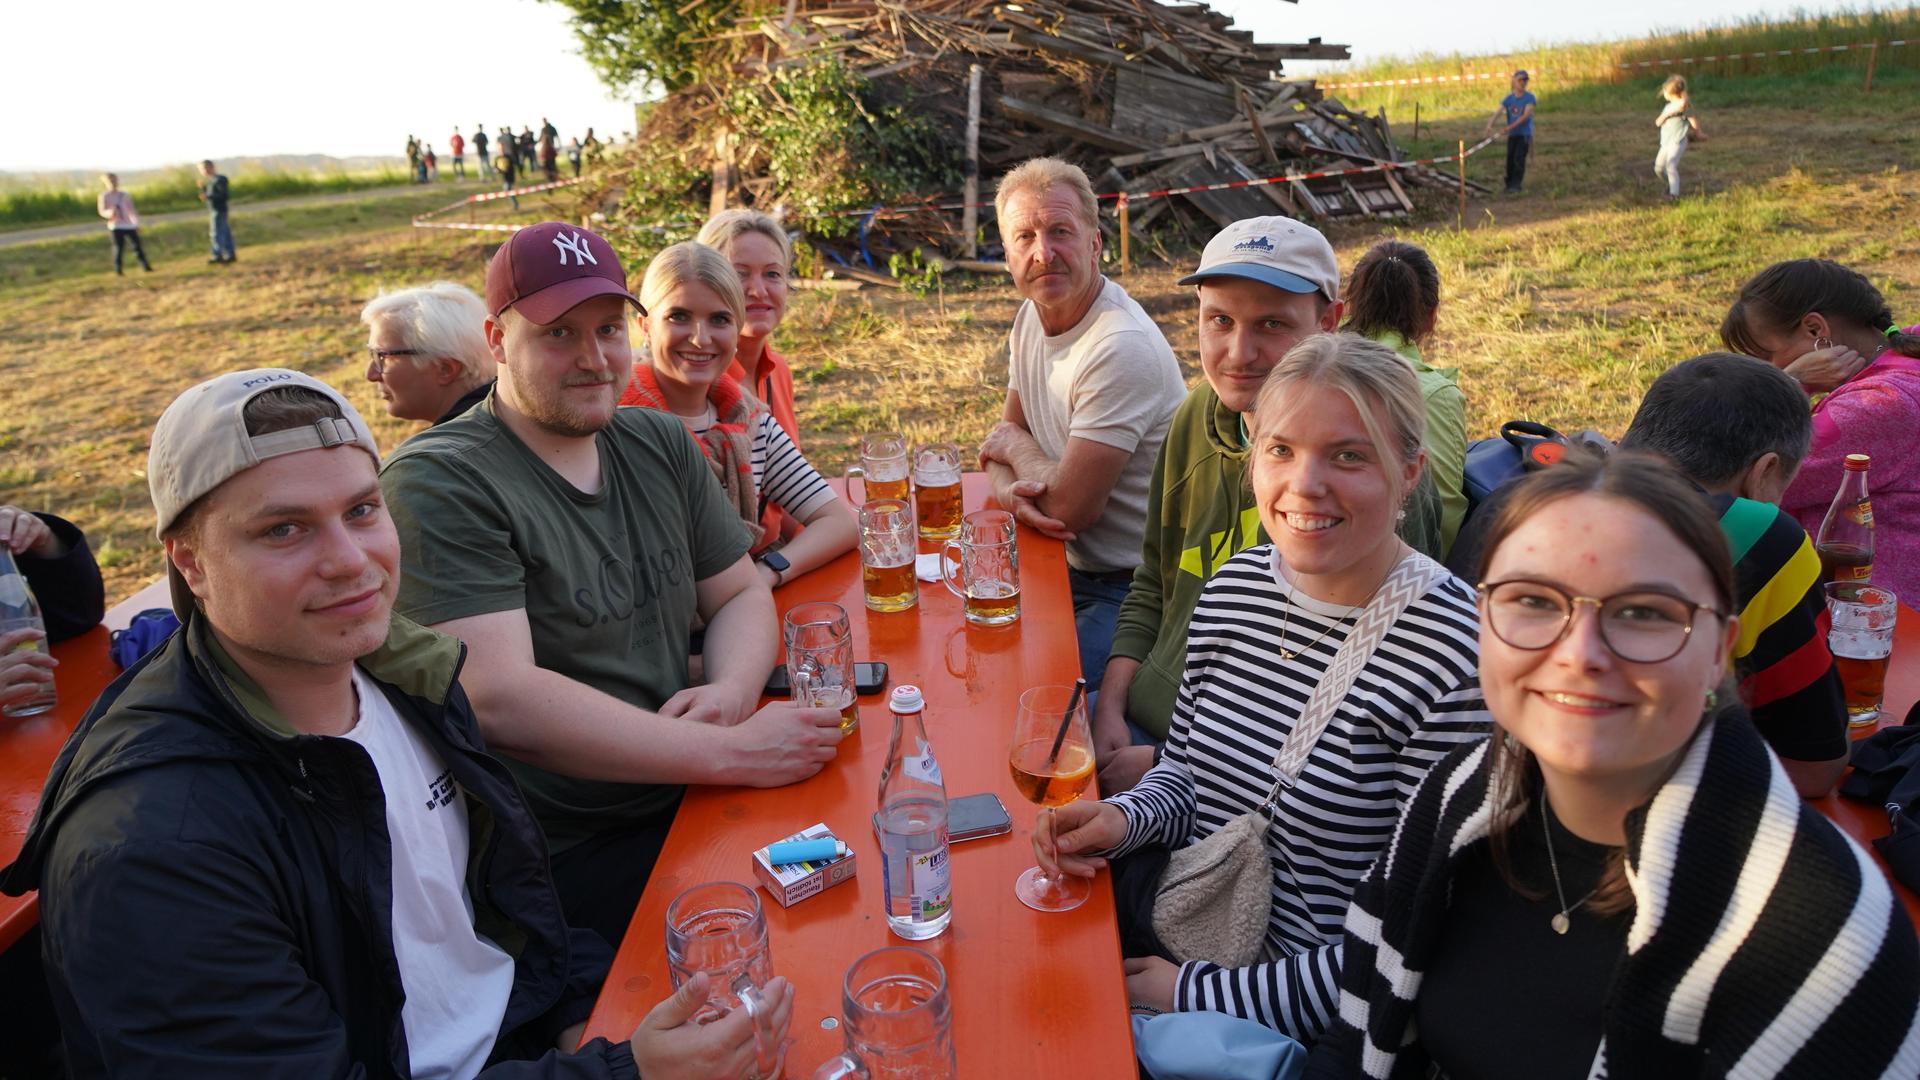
x: 763, y: 257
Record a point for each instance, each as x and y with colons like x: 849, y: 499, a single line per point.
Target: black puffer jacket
x: 216, y: 889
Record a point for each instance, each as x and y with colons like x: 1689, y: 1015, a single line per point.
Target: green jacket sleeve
x: 1139, y: 623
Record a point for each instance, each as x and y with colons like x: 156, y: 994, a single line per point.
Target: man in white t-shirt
x: 278, y: 847
x: 1091, y: 385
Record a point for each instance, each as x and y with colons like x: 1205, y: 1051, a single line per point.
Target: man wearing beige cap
x: 572, y: 547
x: 1264, y: 285
x: 276, y: 846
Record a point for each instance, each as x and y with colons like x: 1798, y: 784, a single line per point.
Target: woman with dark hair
x: 1818, y: 320
x: 1622, y: 880
x: 1393, y: 297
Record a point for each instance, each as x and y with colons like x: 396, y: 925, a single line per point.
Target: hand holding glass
x: 1051, y: 779
x: 720, y: 929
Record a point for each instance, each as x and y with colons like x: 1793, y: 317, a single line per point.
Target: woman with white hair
x: 427, y: 351
x: 694, y: 310
x: 762, y: 255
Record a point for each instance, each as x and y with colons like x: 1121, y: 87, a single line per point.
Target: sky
x: 155, y: 82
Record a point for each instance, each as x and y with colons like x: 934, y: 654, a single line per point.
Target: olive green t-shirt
x: 607, y: 580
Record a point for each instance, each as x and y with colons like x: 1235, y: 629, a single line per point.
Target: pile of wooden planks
x: 1143, y: 95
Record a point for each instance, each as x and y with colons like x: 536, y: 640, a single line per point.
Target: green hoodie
x: 1200, y: 513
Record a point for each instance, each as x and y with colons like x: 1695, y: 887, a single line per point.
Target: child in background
x: 1678, y: 126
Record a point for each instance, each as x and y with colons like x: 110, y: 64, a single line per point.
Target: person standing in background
x: 213, y: 192
x: 480, y: 151
x: 123, y: 222
x: 508, y: 165
x: 1516, y: 110
x: 549, y: 150
x: 573, y: 157
x: 1678, y: 127
x: 429, y: 165
x: 413, y: 160
x: 459, y: 147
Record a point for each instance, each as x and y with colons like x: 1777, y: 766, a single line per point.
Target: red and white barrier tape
x: 425, y: 221
x: 1684, y: 61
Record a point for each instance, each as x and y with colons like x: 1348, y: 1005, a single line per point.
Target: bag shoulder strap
x: 1409, y: 580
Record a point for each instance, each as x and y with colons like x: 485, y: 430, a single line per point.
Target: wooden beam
x: 1055, y: 120
x: 970, y: 215
x: 1097, y: 54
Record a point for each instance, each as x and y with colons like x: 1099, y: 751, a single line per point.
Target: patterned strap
x: 1409, y: 580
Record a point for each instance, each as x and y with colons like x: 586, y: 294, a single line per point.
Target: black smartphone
x: 867, y: 679
x: 971, y: 817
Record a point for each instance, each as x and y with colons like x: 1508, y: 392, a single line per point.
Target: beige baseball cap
x: 201, y: 442
x: 1276, y: 251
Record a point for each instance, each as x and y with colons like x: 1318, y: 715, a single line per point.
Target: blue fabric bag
x: 145, y: 633
x: 1214, y: 1046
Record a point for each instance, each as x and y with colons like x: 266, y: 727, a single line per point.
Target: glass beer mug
x: 883, y: 468
x: 898, y: 1019
x: 888, y: 549
x: 820, y: 659
x: 936, y: 490
x: 987, y: 559
x: 720, y: 929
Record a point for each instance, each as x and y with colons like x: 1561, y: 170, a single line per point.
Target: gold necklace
x: 1560, y: 922
x: 1286, y: 621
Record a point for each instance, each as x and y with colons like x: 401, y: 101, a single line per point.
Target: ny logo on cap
x: 577, y: 244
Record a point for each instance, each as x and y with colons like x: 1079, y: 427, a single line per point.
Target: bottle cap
x: 906, y: 699
x: 1858, y: 462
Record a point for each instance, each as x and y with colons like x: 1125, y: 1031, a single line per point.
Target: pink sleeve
x: 1875, y: 418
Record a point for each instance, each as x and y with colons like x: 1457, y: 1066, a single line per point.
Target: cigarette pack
x: 795, y: 882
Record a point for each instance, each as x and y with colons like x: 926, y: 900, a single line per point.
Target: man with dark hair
x: 1739, y: 428
x: 213, y: 192
x: 276, y: 847
x: 572, y: 546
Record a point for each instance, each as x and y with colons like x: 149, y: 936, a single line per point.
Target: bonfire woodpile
x: 1144, y: 96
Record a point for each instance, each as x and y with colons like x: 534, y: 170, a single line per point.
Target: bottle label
x: 1861, y: 513
x: 1853, y: 573
x: 932, y: 888
x: 922, y: 766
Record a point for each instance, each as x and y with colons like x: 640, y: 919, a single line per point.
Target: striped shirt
x: 781, y: 473
x: 1416, y: 700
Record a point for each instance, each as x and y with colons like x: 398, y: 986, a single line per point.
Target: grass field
x: 1560, y: 305
x: 32, y: 204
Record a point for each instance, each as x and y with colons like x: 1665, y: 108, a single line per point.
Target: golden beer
x: 938, y: 504
x: 992, y: 603
x: 1864, y: 681
x: 890, y: 588
x: 896, y: 488
x: 849, y: 705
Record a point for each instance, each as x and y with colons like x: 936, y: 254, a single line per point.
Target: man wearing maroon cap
x: 572, y: 547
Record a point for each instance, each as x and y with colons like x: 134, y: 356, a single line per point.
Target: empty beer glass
x: 883, y: 468
x: 1861, y: 639
x: 719, y: 928
x: 898, y: 1019
x: 936, y: 490
x: 888, y: 548
x: 820, y: 660
x: 986, y: 559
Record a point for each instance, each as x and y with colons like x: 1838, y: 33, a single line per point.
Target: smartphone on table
x: 971, y: 817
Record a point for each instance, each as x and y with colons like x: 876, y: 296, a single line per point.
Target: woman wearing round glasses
x: 1622, y: 881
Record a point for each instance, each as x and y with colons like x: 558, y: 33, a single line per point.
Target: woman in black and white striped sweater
x: 1336, y: 449
x: 1622, y: 881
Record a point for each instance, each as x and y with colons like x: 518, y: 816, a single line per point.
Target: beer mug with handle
x: 883, y: 468
x: 898, y: 1020
x: 888, y: 550
x: 936, y: 490
x: 820, y: 659
x: 987, y: 559
x: 720, y: 929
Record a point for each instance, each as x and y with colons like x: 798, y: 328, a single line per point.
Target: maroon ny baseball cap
x: 547, y: 270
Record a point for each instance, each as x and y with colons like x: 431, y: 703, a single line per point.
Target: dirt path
x: 239, y: 210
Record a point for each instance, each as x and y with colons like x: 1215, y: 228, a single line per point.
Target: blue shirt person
x: 1516, y: 112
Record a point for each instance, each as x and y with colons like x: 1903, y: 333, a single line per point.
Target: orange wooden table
x: 1033, y: 994
x: 1864, y: 821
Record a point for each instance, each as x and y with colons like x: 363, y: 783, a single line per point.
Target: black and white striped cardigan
x: 1764, y: 942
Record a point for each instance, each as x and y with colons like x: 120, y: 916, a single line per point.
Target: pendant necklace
x: 1286, y: 622
x: 1560, y: 923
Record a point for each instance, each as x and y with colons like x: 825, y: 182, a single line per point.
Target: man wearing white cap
x: 572, y: 547
x: 1264, y: 285
x: 276, y: 846
x: 1091, y: 384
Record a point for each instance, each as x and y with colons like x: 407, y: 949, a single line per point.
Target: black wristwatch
x: 777, y: 563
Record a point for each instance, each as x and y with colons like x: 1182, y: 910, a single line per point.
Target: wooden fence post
x: 1463, y: 185
x: 1126, y: 236
x: 970, y: 216
x: 1873, y: 54
x: 1416, y: 120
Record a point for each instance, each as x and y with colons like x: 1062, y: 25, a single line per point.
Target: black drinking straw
x: 1079, y: 688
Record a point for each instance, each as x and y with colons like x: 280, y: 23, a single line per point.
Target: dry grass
x: 1560, y: 306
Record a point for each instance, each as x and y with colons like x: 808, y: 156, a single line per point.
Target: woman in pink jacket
x: 123, y: 221
x: 1829, y: 327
